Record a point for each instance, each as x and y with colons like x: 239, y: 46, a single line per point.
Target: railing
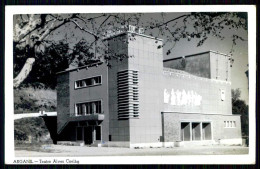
x: 43, y: 113
x: 39, y: 114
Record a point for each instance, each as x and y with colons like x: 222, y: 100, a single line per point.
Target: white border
x: 222, y: 159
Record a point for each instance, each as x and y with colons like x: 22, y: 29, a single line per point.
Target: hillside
x: 31, y: 130
x: 32, y: 99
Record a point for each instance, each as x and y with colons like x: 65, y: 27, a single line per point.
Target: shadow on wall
x: 51, y: 124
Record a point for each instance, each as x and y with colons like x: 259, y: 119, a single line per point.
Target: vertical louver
x: 128, y: 94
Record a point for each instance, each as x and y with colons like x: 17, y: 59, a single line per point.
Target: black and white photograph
x: 130, y: 84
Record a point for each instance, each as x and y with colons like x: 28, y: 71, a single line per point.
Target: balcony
x: 88, y: 117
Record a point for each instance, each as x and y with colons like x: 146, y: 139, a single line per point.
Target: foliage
x: 235, y: 94
x: 81, y: 54
x: 31, y: 127
x: 54, y: 59
x: 200, y: 26
x: 31, y: 99
x: 240, y: 107
x: 36, y: 35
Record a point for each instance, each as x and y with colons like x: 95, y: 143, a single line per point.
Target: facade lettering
x: 182, y: 98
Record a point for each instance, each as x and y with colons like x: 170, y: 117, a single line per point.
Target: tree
x: 55, y: 58
x: 240, y: 107
x: 82, y: 54
x: 235, y: 94
x: 33, y: 33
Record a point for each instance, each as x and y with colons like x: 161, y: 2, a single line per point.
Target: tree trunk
x: 24, y: 72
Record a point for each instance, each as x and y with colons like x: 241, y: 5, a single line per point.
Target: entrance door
x: 88, y: 137
x: 98, y: 132
x: 185, y: 131
x: 206, y: 131
x: 196, y: 134
x: 79, y: 133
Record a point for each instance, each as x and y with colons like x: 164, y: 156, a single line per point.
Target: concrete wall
x: 99, y: 92
x: 68, y: 96
x: 208, y: 90
x: 198, y: 65
x: 220, y: 66
x: 63, y: 100
x: 118, y: 129
x: 147, y: 59
x: 172, y: 125
x: 211, y: 64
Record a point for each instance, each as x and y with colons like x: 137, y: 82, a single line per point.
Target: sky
x: 184, y: 47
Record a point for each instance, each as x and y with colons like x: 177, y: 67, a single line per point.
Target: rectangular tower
x: 135, y: 98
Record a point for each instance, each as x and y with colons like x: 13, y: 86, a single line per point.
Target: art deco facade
x: 144, y: 100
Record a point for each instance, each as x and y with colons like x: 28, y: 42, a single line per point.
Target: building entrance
x: 185, y: 131
x: 88, y: 135
x: 206, y: 131
x: 195, y: 131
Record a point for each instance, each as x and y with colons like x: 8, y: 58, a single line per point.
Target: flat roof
x: 196, y: 55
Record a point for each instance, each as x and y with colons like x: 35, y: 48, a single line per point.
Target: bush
x: 33, y: 99
x: 33, y: 128
x: 240, y: 107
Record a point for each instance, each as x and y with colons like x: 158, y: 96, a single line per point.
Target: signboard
x: 122, y: 29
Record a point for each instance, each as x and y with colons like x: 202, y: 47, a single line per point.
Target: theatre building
x: 145, y: 101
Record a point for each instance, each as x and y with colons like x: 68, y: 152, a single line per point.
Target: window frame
x: 91, y: 101
x: 190, y: 128
x: 231, y: 124
x: 91, y: 77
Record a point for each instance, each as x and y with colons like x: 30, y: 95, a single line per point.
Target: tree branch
x: 165, y: 23
x: 85, y: 30
x: 103, y: 22
x: 24, y: 72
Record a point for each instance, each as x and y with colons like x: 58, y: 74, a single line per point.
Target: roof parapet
x: 81, y: 67
x: 195, y: 54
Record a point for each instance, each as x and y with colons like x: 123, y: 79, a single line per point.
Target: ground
x: 50, y: 150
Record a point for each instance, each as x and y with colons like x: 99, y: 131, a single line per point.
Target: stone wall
x: 172, y: 125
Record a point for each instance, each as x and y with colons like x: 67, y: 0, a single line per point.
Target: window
x: 94, y: 107
x: 93, y: 81
x: 229, y: 124
x: 234, y: 123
